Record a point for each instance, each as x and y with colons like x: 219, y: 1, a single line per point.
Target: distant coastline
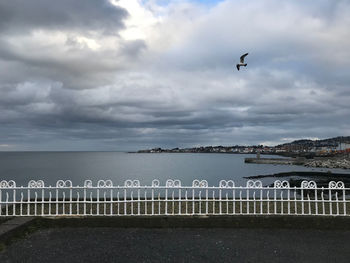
x: 300, y: 148
x: 327, y: 153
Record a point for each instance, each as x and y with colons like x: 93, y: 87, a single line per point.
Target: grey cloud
x: 20, y: 15
x: 188, y: 93
x: 76, y: 68
x: 27, y: 57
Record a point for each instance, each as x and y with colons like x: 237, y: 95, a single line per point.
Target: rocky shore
x: 295, y: 178
x: 343, y: 163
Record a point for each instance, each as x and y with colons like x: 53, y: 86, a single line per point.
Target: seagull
x: 242, y: 61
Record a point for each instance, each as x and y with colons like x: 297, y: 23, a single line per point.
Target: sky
x: 111, y: 75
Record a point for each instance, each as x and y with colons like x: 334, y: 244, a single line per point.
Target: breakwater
x: 287, y: 161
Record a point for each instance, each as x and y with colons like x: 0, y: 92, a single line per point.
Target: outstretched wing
x: 243, y: 56
x: 237, y: 67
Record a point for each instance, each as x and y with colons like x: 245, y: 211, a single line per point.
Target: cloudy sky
x: 135, y: 74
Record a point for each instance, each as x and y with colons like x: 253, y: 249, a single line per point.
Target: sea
x: 121, y: 166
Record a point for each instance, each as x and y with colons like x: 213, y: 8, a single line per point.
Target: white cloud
x: 140, y: 19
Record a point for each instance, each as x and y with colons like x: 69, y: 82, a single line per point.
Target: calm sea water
x: 80, y: 166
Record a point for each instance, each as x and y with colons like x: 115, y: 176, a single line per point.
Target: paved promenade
x: 109, y: 244
x: 176, y: 239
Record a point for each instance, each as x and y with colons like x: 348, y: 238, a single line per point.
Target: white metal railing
x: 132, y: 199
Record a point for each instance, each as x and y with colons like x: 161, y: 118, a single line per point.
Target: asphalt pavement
x: 109, y: 244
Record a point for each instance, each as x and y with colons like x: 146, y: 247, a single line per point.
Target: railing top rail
x: 169, y: 188
x: 173, y: 184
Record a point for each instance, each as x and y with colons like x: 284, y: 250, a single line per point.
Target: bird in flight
x: 242, y: 61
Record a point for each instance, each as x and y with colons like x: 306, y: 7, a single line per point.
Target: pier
x: 289, y: 161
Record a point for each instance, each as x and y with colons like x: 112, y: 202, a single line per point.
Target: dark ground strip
x: 180, y: 245
x: 219, y: 221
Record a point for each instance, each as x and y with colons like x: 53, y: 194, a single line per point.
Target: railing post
x: 125, y: 202
x: 21, y: 205
x: 214, y: 203
x: 220, y: 202
x: 84, y: 200
x: 152, y: 201
x: 288, y: 197
x: 233, y: 201
x: 186, y: 200
x: 316, y: 202
x: 206, y: 201
x: 323, y: 206
x: 193, y: 202
x: 0, y: 202
x: 14, y: 203
x: 180, y: 204
x: 42, y: 202
x: 344, y: 202
x: 78, y: 204
x: 28, y: 202
x: 118, y: 202
x: 166, y: 201
x: 275, y: 201
x: 138, y: 201
x: 8, y: 203
x: 295, y: 201
x: 330, y: 201
x: 145, y: 202
x: 268, y: 201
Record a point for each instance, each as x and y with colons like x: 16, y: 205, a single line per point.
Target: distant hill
x: 318, y: 143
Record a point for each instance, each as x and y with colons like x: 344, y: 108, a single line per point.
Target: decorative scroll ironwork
x: 226, y: 184
x: 155, y: 183
x: 7, y: 184
x: 198, y: 183
x: 104, y: 183
x: 254, y: 184
x: 36, y: 184
x: 336, y: 185
x: 132, y: 183
x: 88, y: 183
x: 308, y: 184
x: 173, y: 183
x: 62, y: 184
x: 281, y: 184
